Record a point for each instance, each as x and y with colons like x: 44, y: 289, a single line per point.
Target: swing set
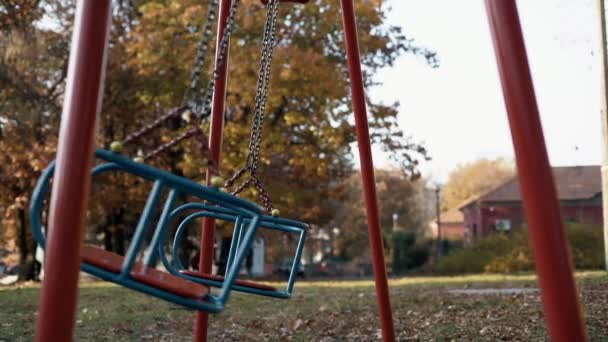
x: 70, y: 176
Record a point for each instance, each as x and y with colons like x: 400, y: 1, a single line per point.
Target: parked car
x: 284, y: 268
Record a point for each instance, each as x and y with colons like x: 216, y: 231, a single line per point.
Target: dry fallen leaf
x: 297, y: 324
x: 484, y: 331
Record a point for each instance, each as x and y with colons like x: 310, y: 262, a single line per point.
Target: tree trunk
x: 23, y: 248
x: 26, y: 260
x: 107, y: 236
x: 119, y: 240
x: 119, y: 232
x: 36, y: 265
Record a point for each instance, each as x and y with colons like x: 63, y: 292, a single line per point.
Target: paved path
x: 506, y: 291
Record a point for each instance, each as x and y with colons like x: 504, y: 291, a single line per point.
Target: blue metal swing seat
x: 242, y: 237
x: 179, y: 285
x: 143, y: 277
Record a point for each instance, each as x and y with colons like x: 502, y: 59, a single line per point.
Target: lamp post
x: 395, y: 218
x: 438, y: 215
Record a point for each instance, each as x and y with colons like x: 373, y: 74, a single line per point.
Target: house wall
x: 452, y: 230
x: 491, y: 213
x: 449, y: 230
x: 590, y: 214
x: 485, y: 215
x: 472, y: 223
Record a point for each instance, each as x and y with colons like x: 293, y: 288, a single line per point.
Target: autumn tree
x: 307, y: 134
x: 309, y: 130
x: 32, y: 71
x: 475, y: 178
x: 397, y: 194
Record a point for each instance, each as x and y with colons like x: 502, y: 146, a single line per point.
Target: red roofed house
x: 579, y: 190
x: 452, y: 225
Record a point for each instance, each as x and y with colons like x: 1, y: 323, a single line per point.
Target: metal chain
x: 203, y: 46
x: 201, y: 107
x: 196, y: 132
x: 261, y: 105
x: 259, y: 84
x: 262, y: 85
x: 173, y: 113
x: 262, y: 88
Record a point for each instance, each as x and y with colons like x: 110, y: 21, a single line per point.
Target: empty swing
x: 241, y: 238
x: 142, y: 276
x: 178, y: 285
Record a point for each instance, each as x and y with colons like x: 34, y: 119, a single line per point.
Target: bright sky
x: 458, y: 111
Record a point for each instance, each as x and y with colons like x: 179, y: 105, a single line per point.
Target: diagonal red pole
x: 547, y: 236
x: 215, y: 146
x: 72, y: 174
x: 367, y: 169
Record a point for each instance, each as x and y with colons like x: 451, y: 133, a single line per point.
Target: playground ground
x: 426, y: 309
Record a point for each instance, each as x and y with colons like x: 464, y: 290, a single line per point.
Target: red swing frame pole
x: 215, y: 146
x: 547, y: 235
x: 72, y: 179
x: 367, y: 169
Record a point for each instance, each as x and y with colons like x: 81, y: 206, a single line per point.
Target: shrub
x: 475, y: 258
x: 518, y: 260
x: 586, y: 246
x: 407, y: 254
x: 510, y: 252
x: 461, y: 261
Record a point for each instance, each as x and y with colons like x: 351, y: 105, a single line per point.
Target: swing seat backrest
x: 126, y: 271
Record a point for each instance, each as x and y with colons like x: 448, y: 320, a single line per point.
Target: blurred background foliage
x: 307, y: 161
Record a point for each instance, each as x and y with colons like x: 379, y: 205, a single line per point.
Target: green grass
x: 319, y: 311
